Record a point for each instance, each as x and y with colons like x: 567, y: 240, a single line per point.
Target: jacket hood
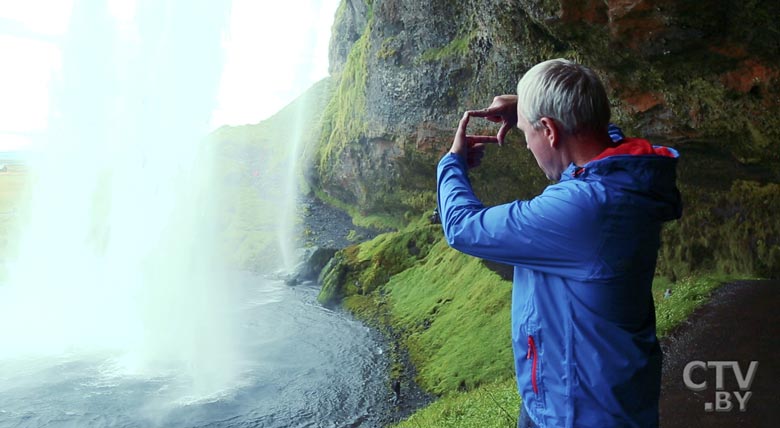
x: 637, y: 167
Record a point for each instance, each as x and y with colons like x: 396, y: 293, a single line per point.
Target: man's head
x: 569, y: 93
x: 560, y: 102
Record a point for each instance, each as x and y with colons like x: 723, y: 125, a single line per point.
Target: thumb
x: 505, y: 127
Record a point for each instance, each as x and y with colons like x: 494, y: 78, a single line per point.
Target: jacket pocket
x: 533, y: 354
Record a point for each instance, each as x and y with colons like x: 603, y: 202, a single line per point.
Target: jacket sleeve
x: 550, y: 233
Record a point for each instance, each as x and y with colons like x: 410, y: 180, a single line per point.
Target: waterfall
x: 116, y: 252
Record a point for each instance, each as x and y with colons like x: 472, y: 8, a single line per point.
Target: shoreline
x: 325, y: 226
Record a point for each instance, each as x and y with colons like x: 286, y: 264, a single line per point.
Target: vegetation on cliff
x: 343, y: 120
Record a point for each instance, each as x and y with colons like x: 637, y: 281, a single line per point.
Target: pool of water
x: 297, y: 364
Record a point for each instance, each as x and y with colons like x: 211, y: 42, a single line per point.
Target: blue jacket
x: 584, y: 253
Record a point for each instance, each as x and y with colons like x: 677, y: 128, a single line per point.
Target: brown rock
x: 634, y: 22
x: 748, y: 75
x: 644, y: 101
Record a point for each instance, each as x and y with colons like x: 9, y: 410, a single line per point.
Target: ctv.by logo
x: 722, y: 398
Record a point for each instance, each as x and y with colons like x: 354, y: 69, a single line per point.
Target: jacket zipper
x: 532, y: 354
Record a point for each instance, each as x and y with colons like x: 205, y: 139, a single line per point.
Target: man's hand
x: 503, y: 110
x: 471, y: 147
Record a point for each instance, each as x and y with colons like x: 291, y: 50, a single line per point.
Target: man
x: 584, y: 251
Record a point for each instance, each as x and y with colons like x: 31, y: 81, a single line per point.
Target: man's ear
x: 551, y: 132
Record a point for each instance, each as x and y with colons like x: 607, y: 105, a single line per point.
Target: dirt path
x: 741, y: 323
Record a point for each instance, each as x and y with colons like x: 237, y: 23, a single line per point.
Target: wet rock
x: 314, y: 262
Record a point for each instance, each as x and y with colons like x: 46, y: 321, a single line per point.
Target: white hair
x: 569, y: 93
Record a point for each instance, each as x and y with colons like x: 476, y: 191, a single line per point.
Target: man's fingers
x: 464, y: 122
x: 481, y: 139
x: 475, y: 154
x: 505, y: 127
x: 490, y: 114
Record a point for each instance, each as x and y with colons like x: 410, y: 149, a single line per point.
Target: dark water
x: 301, y: 366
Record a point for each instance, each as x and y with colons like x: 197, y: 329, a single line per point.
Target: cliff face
x: 414, y: 68
x: 701, y: 76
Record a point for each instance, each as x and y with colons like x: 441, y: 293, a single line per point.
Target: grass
x: 452, y: 314
x: 455, y: 313
x: 492, y: 405
x: 454, y: 321
x: 686, y: 295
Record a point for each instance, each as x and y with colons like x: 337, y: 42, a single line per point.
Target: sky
x: 272, y: 52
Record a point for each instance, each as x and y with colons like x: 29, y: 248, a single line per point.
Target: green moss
x: 456, y: 48
x: 354, y: 236
x: 449, y: 306
x: 343, y: 121
x: 455, y: 315
x: 418, y: 201
x: 372, y: 221
x: 386, y: 49
x: 360, y: 269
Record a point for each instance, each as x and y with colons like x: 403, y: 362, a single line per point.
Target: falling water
x: 116, y: 254
x: 289, y: 204
x: 117, y: 309
x: 301, y: 122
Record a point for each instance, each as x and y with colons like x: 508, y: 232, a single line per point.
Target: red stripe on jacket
x: 635, y: 147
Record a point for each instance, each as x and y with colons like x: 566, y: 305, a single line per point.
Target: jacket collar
x: 628, y: 148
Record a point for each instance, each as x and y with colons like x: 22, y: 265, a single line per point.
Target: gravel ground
x: 328, y: 227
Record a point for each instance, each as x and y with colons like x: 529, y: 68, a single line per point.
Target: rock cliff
x: 701, y: 76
